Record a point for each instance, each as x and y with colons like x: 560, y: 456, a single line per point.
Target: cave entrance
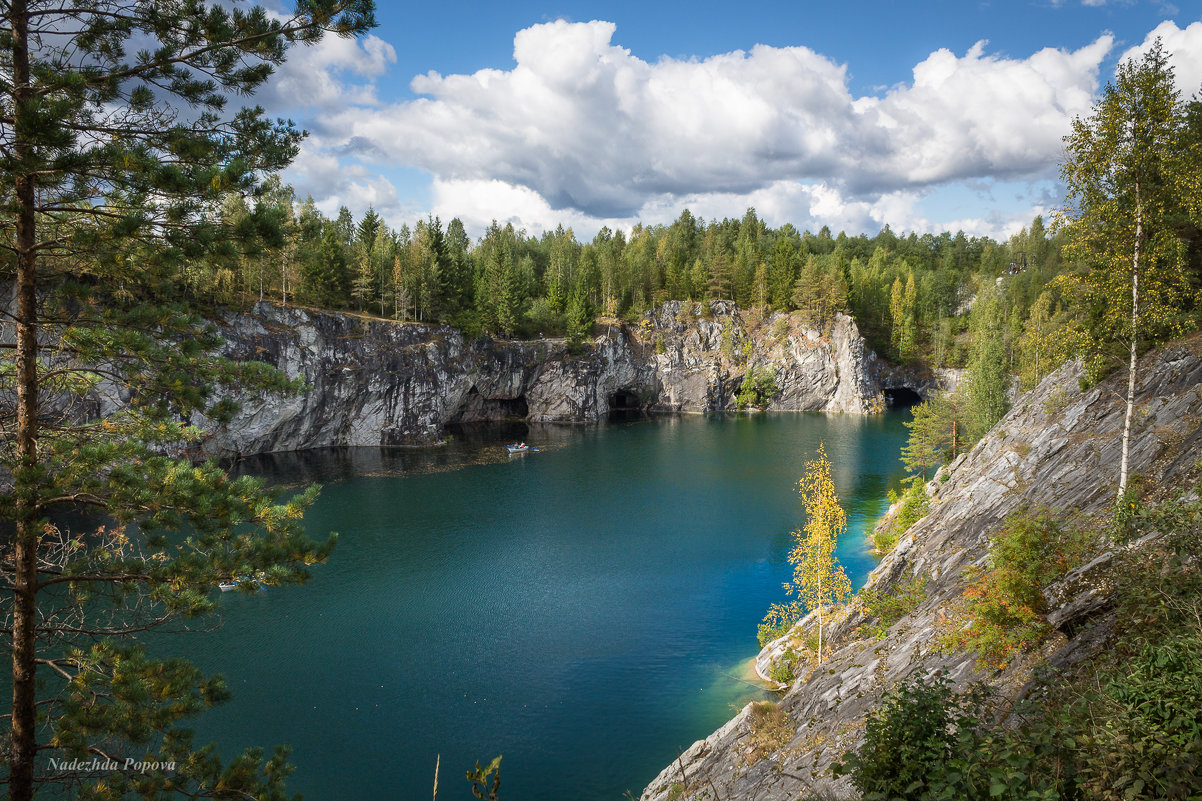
x: 901, y: 397
x: 624, y: 405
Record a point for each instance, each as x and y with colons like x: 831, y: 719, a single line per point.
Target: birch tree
x: 818, y: 578
x: 1125, y: 178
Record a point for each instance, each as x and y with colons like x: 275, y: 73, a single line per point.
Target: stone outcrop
x: 703, y: 351
x: 373, y: 382
x: 1057, y: 448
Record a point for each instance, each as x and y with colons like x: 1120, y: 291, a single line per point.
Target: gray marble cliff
x: 373, y: 382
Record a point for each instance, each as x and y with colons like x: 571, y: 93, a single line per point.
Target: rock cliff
x: 373, y: 382
x: 1057, y: 448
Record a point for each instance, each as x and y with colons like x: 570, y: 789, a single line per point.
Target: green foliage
x: 909, y: 740
x: 915, y: 504
x: 125, y: 181
x: 987, y: 380
x: 1150, y: 742
x: 1140, y: 723
x: 758, y: 388
x: 486, y: 782
x: 1004, y: 603
x: 784, y: 670
x: 1124, y: 727
x: 726, y: 342
x: 926, y: 742
x: 888, y: 605
x: 1131, y: 176
x: 938, y: 433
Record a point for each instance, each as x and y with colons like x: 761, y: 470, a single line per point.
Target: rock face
x: 1057, y: 448
x: 373, y: 382
x: 703, y: 351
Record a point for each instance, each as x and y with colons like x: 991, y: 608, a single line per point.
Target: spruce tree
x: 110, y: 162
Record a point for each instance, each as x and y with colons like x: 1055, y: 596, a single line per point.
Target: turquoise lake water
x: 587, y: 611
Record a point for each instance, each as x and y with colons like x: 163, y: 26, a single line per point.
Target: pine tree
x: 108, y: 165
x: 936, y: 434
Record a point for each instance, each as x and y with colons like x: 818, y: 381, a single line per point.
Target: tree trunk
x: 820, y: 622
x: 24, y: 735
x: 1139, y: 230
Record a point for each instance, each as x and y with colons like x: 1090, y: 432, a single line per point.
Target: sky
x: 924, y: 116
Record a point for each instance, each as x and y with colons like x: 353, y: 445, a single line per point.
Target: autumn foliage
x: 818, y: 578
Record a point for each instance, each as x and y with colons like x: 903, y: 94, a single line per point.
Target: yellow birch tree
x: 818, y: 578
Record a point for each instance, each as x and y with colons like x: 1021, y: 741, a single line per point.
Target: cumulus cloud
x: 976, y: 115
x: 333, y: 183
x: 586, y: 126
x: 1185, y: 48
x: 580, y: 131
x: 332, y: 75
x: 806, y: 206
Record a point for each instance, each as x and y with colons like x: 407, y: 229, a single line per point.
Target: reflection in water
x: 465, y: 444
x: 587, y: 610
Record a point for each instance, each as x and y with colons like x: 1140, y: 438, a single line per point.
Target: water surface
x: 587, y: 611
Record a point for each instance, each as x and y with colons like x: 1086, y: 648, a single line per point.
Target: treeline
x: 911, y: 295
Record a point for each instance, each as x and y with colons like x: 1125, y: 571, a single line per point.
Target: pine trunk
x: 24, y: 735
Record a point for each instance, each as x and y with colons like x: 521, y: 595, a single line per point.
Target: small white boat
x: 226, y: 586
x: 523, y: 448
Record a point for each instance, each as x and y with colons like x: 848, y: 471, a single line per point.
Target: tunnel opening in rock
x: 624, y: 405
x: 901, y: 397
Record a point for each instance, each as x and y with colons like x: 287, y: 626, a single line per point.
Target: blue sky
x: 925, y: 116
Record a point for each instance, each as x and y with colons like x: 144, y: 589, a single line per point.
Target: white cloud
x: 316, y: 77
x: 1185, y: 48
x: 582, y: 132
x: 585, y: 125
x: 333, y: 183
x: 978, y: 115
x: 807, y: 206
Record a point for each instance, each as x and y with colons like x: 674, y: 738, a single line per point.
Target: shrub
x: 915, y: 505
x: 926, y: 742
x: 758, y: 388
x: 770, y: 730
x: 1004, y: 601
x: 1149, y: 741
x: 785, y: 671
x: 910, y: 738
x: 887, y: 606
x: 1126, y: 726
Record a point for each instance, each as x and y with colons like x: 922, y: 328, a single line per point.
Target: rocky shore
x: 1058, y: 448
